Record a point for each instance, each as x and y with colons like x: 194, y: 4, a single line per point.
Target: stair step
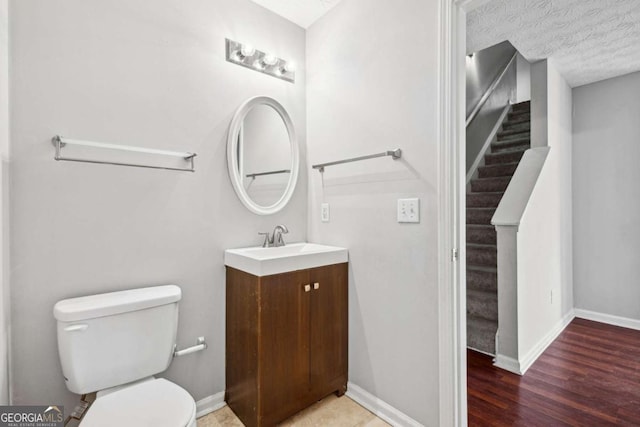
x: 482, y: 304
x: 482, y: 279
x: 518, y: 119
x: 522, y: 106
x: 514, y: 137
x: 504, y: 157
x: 514, y: 145
x: 515, y: 148
x: 507, y: 169
x: 482, y: 255
x: 481, y: 234
x: 481, y: 334
x: 483, y: 200
x: 480, y: 216
x: 519, y: 116
x: 518, y: 123
x: 514, y: 131
x: 491, y: 185
x: 522, y: 146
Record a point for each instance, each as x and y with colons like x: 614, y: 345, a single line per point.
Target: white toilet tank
x: 112, y: 339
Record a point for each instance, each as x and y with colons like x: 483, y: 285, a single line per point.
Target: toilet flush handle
x: 80, y: 327
x: 201, y: 344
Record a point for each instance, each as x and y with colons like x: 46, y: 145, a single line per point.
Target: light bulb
x: 258, y: 64
x: 269, y: 59
x: 247, y: 50
x: 289, y: 67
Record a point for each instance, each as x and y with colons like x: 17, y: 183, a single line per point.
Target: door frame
x: 452, y: 343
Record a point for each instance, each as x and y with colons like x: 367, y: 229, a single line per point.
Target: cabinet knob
x: 316, y: 285
x: 307, y: 288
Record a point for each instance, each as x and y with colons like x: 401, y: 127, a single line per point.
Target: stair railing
x: 490, y: 90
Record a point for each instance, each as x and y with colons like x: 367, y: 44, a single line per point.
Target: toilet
x: 114, y: 344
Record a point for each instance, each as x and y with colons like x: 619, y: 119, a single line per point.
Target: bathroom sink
x: 295, y: 256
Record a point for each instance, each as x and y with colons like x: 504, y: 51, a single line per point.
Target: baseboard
x: 481, y: 351
x: 521, y: 365
x: 609, y: 319
x: 528, y: 359
x: 380, y: 408
x: 209, y: 404
x: 508, y: 364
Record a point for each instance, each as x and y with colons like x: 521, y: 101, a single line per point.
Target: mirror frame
x: 232, y: 152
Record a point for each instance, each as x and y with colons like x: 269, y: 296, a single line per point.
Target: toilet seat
x: 153, y: 403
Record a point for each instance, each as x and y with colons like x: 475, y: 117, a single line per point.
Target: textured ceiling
x: 589, y: 40
x: 302, y: 12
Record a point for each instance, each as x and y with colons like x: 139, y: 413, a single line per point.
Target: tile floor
x: 330, y: 411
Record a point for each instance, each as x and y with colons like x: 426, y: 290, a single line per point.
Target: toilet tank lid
x: 101, y: 305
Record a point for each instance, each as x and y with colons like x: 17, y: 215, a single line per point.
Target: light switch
x: 409, y: 210
x: 324, y: 212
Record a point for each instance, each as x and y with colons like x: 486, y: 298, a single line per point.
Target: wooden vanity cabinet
x: 286, y: 341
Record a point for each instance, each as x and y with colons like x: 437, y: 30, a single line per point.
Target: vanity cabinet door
x: 329, y: 329
x: 286, y: 341
x: 284, y: 344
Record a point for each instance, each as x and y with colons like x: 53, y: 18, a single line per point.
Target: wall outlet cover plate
x: 325, y: 213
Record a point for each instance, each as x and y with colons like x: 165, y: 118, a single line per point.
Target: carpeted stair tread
x: 480, y: 216
x: 482, y: 255
x: 517, y: 120
x: 482, y: 304
x: 491, y: 185
x: 514, y: 131
x: 518, y: 123
x: 482, y: 279
x: 504, y: 157
x: 506, y: 169
x: 521, y: 106
x: 515, y: 148
x: 507, y: 142
x: 483, y: 200
x: 519, y: 115
x: 481, y: 334
x: 516, y: 137
x: 481, y: 234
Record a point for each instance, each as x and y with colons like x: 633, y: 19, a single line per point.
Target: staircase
x: 486, y: 191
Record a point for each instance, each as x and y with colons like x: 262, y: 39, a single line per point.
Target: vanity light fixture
x: 267, y: 63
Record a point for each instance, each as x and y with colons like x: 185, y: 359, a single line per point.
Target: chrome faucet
x: 274, y: 239
x: 278, y: 231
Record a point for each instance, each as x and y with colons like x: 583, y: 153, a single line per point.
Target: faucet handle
x: 267, y: 240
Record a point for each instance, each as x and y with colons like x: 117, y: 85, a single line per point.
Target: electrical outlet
x: 325, y: 212
x: 551, y: 296
x: 409, y: 210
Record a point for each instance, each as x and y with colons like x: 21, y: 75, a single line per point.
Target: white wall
x: 368, y: 92
x: 483, y: 68
x: 4, y: 169
x: 149, y: 74
x: 606, y: 196
x: 545, y: 283
x: 523, y: 79
x: 539, y: 104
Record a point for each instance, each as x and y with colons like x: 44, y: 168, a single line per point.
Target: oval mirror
x: 262, y: 155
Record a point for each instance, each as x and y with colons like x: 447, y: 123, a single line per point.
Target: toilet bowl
x: 114, y: 344
x: 152, y: 402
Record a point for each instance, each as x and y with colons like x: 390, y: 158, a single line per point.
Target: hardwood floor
x: 590, y: 376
